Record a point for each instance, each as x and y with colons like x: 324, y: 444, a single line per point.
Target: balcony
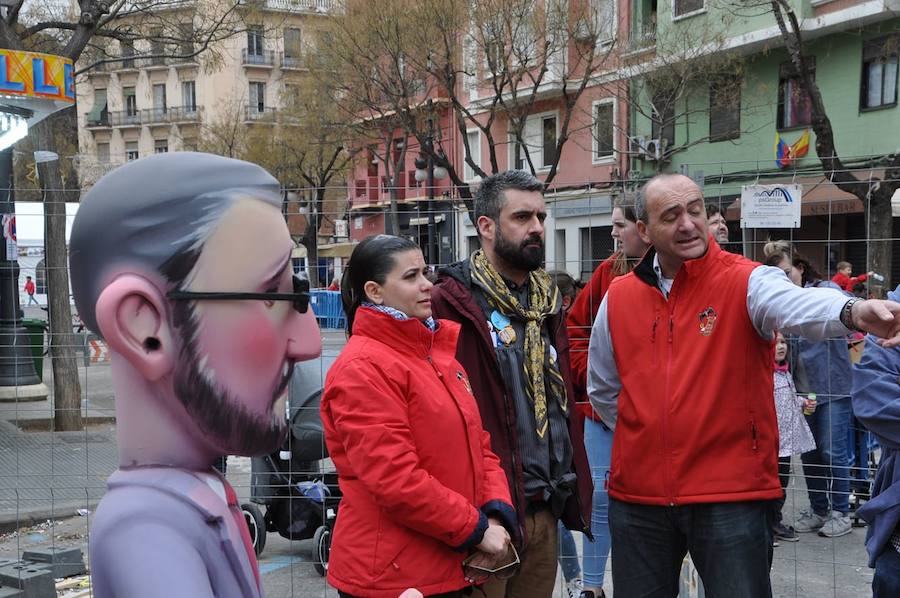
x: 155, y: 63
x: 184, y: 114
x: 125, y: 118
x: 290, y: 62
x: 129, y: 63
x: 264, y: 59
x: 100, y: 121
x: 155, y: 116
x: 313, y: 6
x: 643, y: 38
x: 255, y: 114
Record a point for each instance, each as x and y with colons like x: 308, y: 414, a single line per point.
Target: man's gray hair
x: 143, y: 214
x: 489, y: 199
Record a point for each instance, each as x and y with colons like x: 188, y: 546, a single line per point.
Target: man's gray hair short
x: 489, y: 199
x: 640, y: 203
x: 136, y: 218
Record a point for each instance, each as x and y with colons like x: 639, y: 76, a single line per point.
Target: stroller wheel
x: 256, y: 523
x: 321, y: 549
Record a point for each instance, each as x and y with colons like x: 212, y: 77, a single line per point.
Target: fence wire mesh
x: 52, y: 480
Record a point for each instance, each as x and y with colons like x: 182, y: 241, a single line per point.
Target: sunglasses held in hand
x: 475, y: 573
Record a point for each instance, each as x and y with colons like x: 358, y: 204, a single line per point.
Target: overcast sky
x: 30, y: 220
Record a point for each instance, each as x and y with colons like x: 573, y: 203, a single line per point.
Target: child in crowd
x: 843, y: 278
x: 794, y: 435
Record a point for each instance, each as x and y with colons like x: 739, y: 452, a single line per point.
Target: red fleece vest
x: 696, y: 417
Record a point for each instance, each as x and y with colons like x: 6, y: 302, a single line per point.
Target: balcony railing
x: 289, y: 61
x: 253, y: 113
x: 265, y: 58
x: 320, y: 6
x: 97, y: 121
x: 125, y: 118
x: 184, y: 114
x: 154, y: 116
x: 643, y: 37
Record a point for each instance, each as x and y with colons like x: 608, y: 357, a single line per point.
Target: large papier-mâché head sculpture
x: 212, y: 374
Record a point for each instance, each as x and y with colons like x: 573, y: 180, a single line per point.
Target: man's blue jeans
x: 730, y: 544
x: 886, y: 583
x: 827, y: 469
x: 598, y: 445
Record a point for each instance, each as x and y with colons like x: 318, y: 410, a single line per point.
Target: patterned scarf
x: 399, y: 315
x: 544, y: 300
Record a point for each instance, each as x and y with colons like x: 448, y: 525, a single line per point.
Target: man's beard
x: 519, y: 256
x: 219, y: 415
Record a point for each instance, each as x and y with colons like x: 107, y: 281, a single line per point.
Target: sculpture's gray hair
x: 142, y: 215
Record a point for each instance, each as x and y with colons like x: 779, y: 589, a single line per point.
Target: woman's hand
x: 496, y: 539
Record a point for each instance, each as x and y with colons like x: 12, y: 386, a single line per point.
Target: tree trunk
x: 311, y: 239
x: 66, y: 385
x: 880, y: 224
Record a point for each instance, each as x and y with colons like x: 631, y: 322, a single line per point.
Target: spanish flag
x: 786, y: 154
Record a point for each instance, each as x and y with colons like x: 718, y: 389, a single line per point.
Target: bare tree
x: 485, y: 65
x: 92, y: 33
x: 874, y: 192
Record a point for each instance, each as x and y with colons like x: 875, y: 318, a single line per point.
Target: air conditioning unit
x: 638, y: 145
x: 655, y: 149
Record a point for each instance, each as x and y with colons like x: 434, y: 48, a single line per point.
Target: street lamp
x: 427, y: 171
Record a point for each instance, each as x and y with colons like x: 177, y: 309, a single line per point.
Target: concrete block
x: 62, y: 562
x: 6, y: 592
x: 34, y: 580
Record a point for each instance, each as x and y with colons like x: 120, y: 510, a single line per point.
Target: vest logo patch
x: 707, y: 321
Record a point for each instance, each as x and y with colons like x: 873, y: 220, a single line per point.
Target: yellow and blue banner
x: 786, y: 154
x: 36, y: 75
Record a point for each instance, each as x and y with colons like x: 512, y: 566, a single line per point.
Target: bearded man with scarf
x: 514, y: 346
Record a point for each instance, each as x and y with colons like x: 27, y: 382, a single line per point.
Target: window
x: 186, y: 43
x: 494, y: 49
x: 130, y: 101
x: 254, y: 41
x: 686, y: 7
x: 470, y: 61
x: 794, y: 104
x: 131, y: 150
x: 99, y: 114
x: 604, y: 130
x: 292, y: 47
x: 103, y: 153
x: 257, y: 97
x: 189, y: 144
x: 596, y: 246
x: 539, y: 136
x: 663, y: 125
x: 160, y: 146
x: 879, y: 76
x: 127, y: 48
x: 157, y: 48
x: 725, y: 109
x: 474, y: 139
x: 604, y: 15
x: 159, y: 98
x: 189, y: 95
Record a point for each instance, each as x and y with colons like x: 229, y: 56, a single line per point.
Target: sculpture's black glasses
x: 299, y: 298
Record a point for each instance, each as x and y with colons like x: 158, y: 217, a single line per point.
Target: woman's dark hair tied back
x: 372, y: 259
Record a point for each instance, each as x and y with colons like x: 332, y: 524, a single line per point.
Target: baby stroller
x: 300, y: 498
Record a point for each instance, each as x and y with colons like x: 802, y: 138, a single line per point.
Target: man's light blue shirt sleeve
x: 603, y: 381
x: 776, y: 303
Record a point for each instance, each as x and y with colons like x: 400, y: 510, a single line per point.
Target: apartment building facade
x: 159, y: 97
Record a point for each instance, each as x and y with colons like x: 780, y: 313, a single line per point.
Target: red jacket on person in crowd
x: 579, y: 321
x: 451, y: 298
x: 846, y: 282
x: 696, y: 412
x: 414, y: 463
x: 29, y: 287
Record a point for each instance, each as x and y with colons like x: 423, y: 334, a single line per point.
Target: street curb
x: 10, y: 522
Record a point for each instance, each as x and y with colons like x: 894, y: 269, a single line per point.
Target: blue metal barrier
x: 328, y: 308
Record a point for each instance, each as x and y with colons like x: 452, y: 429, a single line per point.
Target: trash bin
x: 36, y: 330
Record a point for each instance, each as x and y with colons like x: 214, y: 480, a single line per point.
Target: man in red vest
x: 681, y: 353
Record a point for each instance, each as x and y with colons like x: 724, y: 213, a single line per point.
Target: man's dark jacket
x: 451, y: 299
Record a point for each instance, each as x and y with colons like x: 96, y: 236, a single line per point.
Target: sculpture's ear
x: 131, y: 315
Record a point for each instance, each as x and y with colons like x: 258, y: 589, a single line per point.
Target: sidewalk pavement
x: 51, y: 475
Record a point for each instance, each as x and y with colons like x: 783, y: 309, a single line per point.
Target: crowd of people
x: 478, y: 418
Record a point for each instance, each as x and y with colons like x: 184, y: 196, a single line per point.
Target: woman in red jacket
x: 421, y: 487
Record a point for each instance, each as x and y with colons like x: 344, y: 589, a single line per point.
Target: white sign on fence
x: 770, y: 206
